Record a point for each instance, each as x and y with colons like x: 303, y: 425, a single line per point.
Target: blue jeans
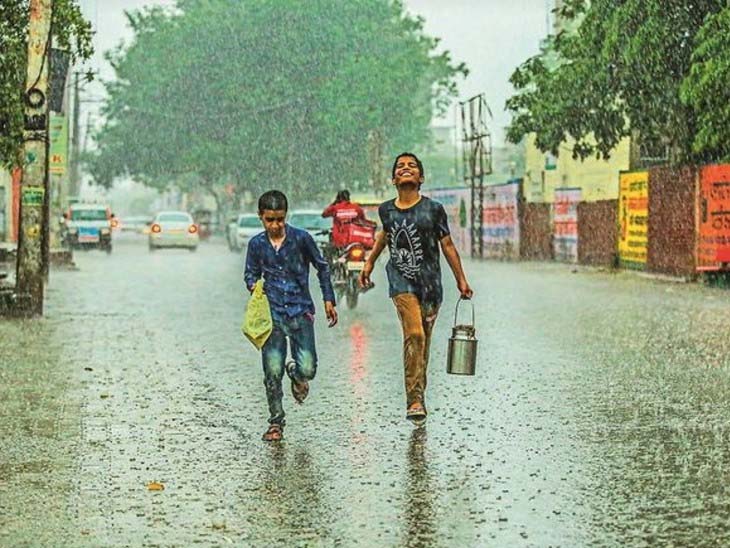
x: 300, y: 331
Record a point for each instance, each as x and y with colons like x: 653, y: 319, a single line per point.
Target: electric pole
x: 34, y: 184
x: 74, y: 164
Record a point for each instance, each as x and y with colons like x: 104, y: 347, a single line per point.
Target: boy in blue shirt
x: 282, y: 255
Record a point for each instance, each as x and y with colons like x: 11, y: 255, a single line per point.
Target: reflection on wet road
x: 598, y: 415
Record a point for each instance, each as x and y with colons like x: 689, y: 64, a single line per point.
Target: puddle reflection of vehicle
x: 173, y: 229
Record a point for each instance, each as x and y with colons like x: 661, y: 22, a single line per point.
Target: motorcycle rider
x: 343, y: 212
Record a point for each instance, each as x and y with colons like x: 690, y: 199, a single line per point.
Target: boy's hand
x: 465, y: 290
x: 329, y: 310
x: 364, y: 279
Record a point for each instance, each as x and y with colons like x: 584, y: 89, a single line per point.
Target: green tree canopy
x: 619, y: 68
x: 70, y: 32
x: 262, y: 93
x: 706, y: 90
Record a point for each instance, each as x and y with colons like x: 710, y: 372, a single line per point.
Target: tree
x: 619, y: 70
x: 705, y: 90
x: 269, y: 92
x: 70, y: 31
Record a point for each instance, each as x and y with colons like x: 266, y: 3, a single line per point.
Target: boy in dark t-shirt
x: 416, y: 230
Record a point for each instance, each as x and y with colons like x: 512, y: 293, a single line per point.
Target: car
x: 248, y: 226
x: 88, y: 226
x: 173, y: 229
x: 312, y: 221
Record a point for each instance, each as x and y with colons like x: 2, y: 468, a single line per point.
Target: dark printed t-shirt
x: 413, y: 237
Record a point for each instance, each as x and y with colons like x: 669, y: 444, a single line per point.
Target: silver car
x: 174, y: 229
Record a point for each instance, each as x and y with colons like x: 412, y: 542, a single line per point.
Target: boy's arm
x: 325, y: 282
x: 452, y: 257
x: 252, y: 271
x: 380, y: 240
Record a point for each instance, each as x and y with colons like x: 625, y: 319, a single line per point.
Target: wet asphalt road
x: 598, y: 417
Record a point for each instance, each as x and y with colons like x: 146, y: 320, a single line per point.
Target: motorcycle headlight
x: 73, y: 229
x: 104, y: 231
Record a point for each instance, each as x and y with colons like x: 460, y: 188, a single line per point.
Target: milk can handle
x: 456, y: 312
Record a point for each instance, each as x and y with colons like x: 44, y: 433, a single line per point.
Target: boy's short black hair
x: 274, y: 200
x: 401, y: 155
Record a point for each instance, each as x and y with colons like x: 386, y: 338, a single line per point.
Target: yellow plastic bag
x: 257, y: 324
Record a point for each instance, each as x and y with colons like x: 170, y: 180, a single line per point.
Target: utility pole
x: 74, y: 160
x: 34, y: 184
x: 477, y: 162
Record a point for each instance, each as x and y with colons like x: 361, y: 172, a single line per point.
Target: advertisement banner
x: 58, y: 153
x: 565, y: 224
x: 456, y: 202
x: 633, y: 218
x: 713, y: 218
x: 501, y: 231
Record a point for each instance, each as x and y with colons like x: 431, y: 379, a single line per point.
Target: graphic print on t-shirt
x: 406, y: 250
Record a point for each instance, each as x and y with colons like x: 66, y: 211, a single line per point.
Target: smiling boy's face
x: 407, y: 172
x: 273, y: 221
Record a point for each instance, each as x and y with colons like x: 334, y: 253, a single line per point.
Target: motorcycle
x: 346, y: 264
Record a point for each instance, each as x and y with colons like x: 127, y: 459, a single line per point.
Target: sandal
x: 274, y: 433
x: 299, y: 389
x: 416, y: 413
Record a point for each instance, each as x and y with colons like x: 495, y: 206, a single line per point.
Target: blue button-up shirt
x: 286, y: 272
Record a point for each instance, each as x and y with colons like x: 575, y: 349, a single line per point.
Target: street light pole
x: 34, y: 183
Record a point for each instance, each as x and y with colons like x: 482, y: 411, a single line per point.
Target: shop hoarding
x: 633, y: 219
x: 501, y: 232
x: 565, y: 224
x: 713, y: 218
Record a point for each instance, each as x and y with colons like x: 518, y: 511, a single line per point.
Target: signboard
x: 58, y: 152
x: 633, y: 218
x: 501, y: 230
x: 713, y: 218
x: 565, y: 224
x: 456, y: 203
x: 32, y: 196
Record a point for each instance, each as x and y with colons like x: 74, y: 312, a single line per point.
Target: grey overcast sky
x: 491, y: 36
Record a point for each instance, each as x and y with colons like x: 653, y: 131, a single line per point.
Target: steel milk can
x: 462, y: 351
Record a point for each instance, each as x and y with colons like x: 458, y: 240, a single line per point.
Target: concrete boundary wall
x: 598, y: 233
x: 536, y: 232
x: 672, y: 222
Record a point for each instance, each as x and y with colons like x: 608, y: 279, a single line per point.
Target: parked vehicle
x: 173, y: 229
x: 245, y: 227
x: 88, y: 226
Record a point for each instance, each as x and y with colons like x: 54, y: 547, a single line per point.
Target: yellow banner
x: 633, y: 218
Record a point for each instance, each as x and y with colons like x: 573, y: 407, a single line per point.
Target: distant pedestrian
x: 281, y: 255
x: 414, y: 228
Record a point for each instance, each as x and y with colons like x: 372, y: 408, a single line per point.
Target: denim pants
x: 300, y: 332
x: 417, y: 323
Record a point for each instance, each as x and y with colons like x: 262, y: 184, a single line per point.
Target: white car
x: 312, y: 221
x: 247, y: 226
x: 174, y: 229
